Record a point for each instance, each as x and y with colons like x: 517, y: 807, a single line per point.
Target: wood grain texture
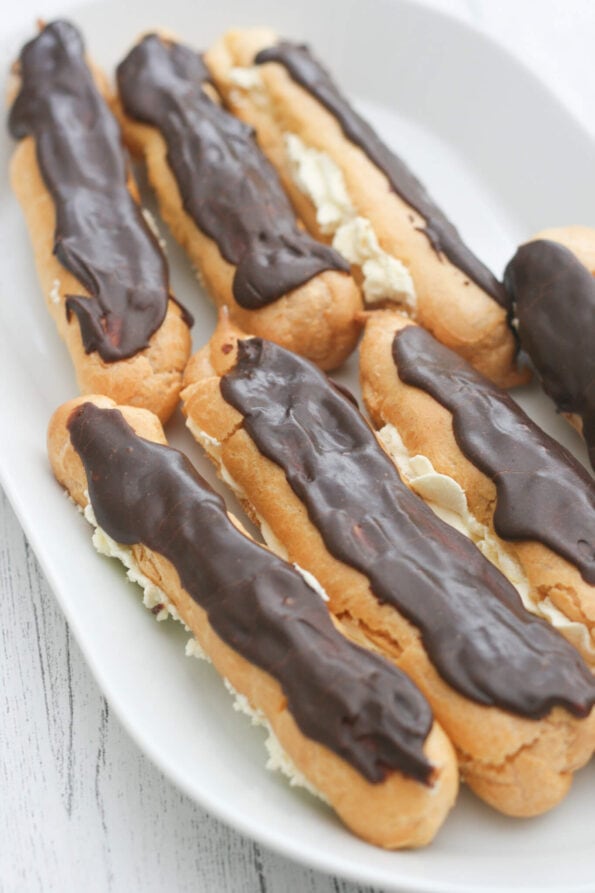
x: 81, y: 807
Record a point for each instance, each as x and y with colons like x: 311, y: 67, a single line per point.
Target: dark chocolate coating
x: 346, y: 698
x: 543, y: 492
x: 441, y: 233
x: 228, y: 187
x: 101, y: 236
x: 473, y: 625
x: 554, y: 300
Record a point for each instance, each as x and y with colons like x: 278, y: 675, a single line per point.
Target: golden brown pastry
x: 526, y: 502
x: 102, y: 273
x: 351, y: 190
x: 355, y: 730
x: 578, y: 239
x: 514, y: 697
x: 223, y: 202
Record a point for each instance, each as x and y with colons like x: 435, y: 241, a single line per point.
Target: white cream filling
x: 193, y: 648
x: 575, y: 632
x: 322, y: 181
x: 278, y: 759
x: 212, y: 447
x: 247, y: 80
x: 443, y: 494
x: 153, y: 596
x: 385, y: 277
x: 210, y: 444
x: 447, y: 499
x: 272, y: 541
x: 276, y: 546
x: 152, y: 224
x: 55, y: 292
x: 312, y: 582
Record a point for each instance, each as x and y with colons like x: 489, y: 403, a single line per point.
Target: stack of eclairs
x: 424, y: 607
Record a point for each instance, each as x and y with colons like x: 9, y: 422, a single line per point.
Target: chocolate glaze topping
x: 473, y: 625
x: 544, y: 494
x: 101, y: 236
x: 352, y: 701
x: 227, y: 185
x: 441, y: 233
x: 554, y: 300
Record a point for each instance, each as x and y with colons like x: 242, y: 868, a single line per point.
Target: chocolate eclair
x: 515, y: 698
x: 552, y: 290
x: 352, y: 190
x: 355, y: 729
x: 470, y: 450
x: 223, y: 201
x: 102, y: 272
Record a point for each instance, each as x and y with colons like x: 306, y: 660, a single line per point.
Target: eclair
x: 353, y: 191
x: 224, y: 203
x: 552, y: 290
x: 352, y: 728
x: 101, y: 270
x: 512, y: 694
x: 470, y: 450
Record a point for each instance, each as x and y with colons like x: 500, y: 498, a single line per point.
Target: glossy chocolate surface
x: 473, y: 625
x: 441, y: 233
x: 352, y: 701
x: 554, y: 300
x: 544, y: 493
x: 228, y: 187
x: 100, y: 235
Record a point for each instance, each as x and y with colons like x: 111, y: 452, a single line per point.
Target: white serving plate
x: 505, y: 159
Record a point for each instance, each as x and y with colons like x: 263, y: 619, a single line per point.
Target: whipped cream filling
x: 154, y: 598
x: 193, y: 648
x: 278, y: 760
x: 210, y: 445
x: 443, y: 494
x: 384, y: 277
x: 55, y: 292
x: 247, y: 80
x: 447, y: 499
x: 152, y: 224
x: 576, y: 633
x: 310, y: 580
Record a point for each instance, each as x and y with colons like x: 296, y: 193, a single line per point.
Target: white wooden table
x: 81, y: 808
